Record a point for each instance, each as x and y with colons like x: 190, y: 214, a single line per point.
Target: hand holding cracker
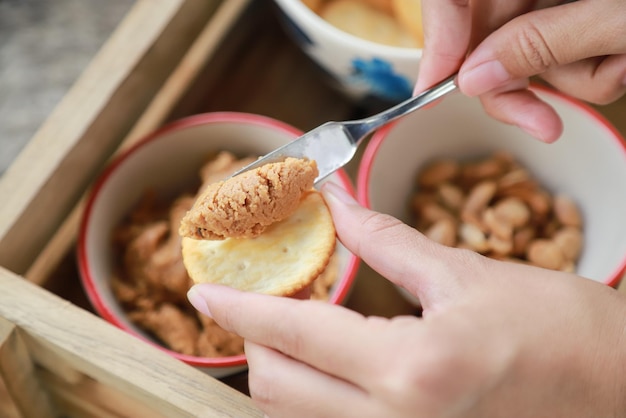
x: 480, y: 349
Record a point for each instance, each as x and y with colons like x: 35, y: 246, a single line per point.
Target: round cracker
x: 284, y: 259
x: 409, y: 14
x: 366, y: 22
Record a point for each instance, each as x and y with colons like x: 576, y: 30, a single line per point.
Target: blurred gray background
x: 44, y: 46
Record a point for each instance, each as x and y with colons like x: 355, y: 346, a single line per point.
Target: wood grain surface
x: 53, y: 342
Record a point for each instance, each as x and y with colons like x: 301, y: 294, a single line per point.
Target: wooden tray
x: 162, y: 63
x: 166, y: 60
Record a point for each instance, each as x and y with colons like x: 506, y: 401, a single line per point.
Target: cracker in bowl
x: 265, y: 231
x: 365, y: 21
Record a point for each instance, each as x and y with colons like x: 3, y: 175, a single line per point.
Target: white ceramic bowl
x: 588, y: 163
x: 166, y: 161
x: 359, y: 68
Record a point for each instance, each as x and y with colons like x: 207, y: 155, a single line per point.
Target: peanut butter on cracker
x: 245, y: 205
x: 266, y: 230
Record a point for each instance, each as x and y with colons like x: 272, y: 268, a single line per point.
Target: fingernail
x: 531, y: 130
x: 483, y: 78
x: 332, y: 190
x: 197, y: 301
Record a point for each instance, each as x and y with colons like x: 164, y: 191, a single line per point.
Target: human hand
x: 496, y: 339
x: 578, y: 47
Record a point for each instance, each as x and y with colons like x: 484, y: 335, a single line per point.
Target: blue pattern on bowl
x: 381, y: 79
x: 362, y: 78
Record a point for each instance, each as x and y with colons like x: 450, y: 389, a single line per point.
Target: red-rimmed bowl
x: 167, y: 161
x: 588, y: 163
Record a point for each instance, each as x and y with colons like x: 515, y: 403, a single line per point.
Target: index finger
x: 328, y: 337
x: 447, y: 32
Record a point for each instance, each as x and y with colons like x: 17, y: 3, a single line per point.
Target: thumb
x: 545, y: 39
x: 398, y: 252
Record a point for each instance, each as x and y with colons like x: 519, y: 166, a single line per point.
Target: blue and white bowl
x: 359, y: 68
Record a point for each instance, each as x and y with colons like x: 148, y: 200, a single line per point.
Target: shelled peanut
x: 495, y: 207
x: 389, y: 22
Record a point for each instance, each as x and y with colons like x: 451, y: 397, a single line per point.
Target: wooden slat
x: 202, y: 50
x: 18, y: 372
x: 8, y: 409
x: 114, y: 358
x: 48, y: 177
x: 56, y: 364
x: 90, y: 398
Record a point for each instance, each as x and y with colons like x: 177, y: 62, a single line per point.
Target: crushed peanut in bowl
x: 151, y: 281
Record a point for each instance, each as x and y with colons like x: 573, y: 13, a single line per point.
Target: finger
x: 280, y: 385
x: 522, y: 108
x: 397, y: 251
x: 294, y: 327
x: 452, y: 28
x: 447, y: 31
x: 599, y: 80
x: 534, y: 42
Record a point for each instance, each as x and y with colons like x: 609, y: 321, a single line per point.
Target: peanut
x: 433, y: 212
x: 477, y: 200
x: 438, y: 172
x: 566, y: 211
x: 513, y: 211
x: 499, y: 245
x: 570, y: 240
x: 475, y: 239
x: 522, y: 239
x: 514, y: 178
x: 487, y: 169
x: 443, y: 231
x: 419, y: 200
x: 501, y: 228
x: 545, y: 253
x: 451, y: 196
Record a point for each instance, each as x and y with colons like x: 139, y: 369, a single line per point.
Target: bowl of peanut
x: 129, y: 246
x: 369, y: 49
x: 466, y: 180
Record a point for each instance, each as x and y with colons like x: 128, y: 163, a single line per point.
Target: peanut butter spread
x: 244, y: 205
